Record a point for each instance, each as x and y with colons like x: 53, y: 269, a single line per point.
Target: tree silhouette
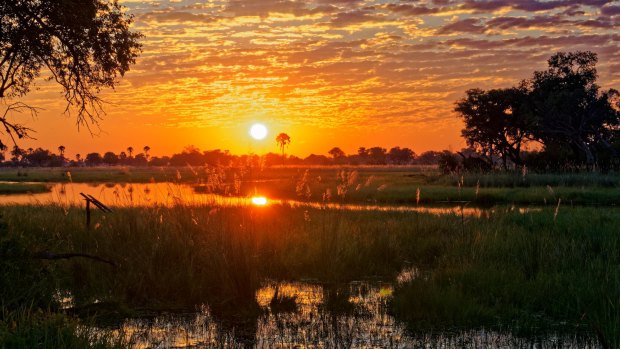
x: 146, y: 149
x: 496, y: 122
x: 130, y: 151
x: 283, y: 140
x: 569, y: 107
x: 61, y: 151
x: 85, y: 45
x: 78, y: 157
x: 336, y: 153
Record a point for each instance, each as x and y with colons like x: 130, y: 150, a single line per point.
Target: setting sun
x: 259, y: 201
x: 258, y: 131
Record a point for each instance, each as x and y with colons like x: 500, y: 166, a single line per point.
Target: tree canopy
x: 83, y: 45
x: 561, y: 107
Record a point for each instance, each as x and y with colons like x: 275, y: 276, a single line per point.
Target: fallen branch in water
x: 55, y: 256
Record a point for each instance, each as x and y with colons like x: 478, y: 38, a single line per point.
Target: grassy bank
x: 540, y: 268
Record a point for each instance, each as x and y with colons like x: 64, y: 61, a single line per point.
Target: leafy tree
x: 401, y: 156
x: 140, y: 160
x: 336, y: 153
x: 130, y: 151
x: 109, y: 158
x: 496, y: 122
x: 146, y: 149
x: 283, y: 140
x: 569, y: 107
x: 61, y: 151
x: 93, y: 159
x: 377, y: 156
x: 85, y: 45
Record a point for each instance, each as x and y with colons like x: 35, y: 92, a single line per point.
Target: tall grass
x: 527, y: 267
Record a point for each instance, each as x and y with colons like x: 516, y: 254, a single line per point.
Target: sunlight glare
x: 259, y: 201
x: 258, y: 131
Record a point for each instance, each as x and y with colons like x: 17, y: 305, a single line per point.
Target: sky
x: 344, y: 73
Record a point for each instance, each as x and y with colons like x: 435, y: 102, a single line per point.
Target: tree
x: 85, y: 45
x: 146, y: 149
x: 283, y: 140
x: 496, y: 122
x: 336, y: 153
x: 569, y: 107
x: 377, y: 156
x: 109, y: 158
x: 401, y: 156
x: 93, y: 159
x: 130, y: 151
x: 61, y: 151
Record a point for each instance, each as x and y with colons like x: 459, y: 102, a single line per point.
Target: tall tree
x: 496, y: 122
x: 283, y: 140
x: 61, y: 151
x: 569, y: 107
x: 85, y: 45
x: 130, y: 151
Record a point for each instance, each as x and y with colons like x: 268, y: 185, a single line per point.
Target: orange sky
x: 344, y: 73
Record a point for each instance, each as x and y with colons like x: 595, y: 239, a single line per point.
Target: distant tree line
x: 561, y: 111
x: 193, y: 156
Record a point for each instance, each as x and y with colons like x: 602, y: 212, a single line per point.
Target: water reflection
x: 324, y: 316
x: 170, y: 194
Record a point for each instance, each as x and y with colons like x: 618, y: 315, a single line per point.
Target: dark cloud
x: 344, y: 19
x: 611, y: 10
x: 411, y: 10
x: 177, y: 16
x: 529, y: 5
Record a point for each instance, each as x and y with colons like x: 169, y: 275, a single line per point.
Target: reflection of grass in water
x: 23, y: 188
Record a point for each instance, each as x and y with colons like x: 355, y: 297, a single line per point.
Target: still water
x: 317, y: 316
x: 170, y: 194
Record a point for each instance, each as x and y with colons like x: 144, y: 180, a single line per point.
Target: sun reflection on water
x: 259, y: 201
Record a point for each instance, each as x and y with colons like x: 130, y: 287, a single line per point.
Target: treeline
x: 193, y: 156
x: 562, y: 110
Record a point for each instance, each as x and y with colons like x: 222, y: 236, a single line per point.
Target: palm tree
x: 130, y: 151
x: 78, y: 157
x: 61, y: 150
x: 283, y: 140
x: 146, y: 149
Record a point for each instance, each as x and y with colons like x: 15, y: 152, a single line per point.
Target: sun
x: 258, y: 131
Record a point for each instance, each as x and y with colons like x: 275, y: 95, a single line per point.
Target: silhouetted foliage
x: 109, y: 158
x: 84, y: 44
x: 496, y: 122
x: 93, y: 159
x: 400, y: 156
x: 562, y: 108
x: 283, y: 141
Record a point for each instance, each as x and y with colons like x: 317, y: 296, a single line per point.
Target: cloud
x: 468, y: 25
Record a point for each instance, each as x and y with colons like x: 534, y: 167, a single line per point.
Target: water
x: 170, y: 194
x: 353, y: 316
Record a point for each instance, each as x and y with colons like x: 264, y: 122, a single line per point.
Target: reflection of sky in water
x: 169, y: 194
x: 365, y: 324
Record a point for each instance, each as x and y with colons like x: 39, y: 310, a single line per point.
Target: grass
x: 30, y: 328
x: 557, y: 269
x: 533, y: 268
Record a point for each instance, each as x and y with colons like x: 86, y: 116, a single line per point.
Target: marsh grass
x: 548, y: 270
x: 35, y: 328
